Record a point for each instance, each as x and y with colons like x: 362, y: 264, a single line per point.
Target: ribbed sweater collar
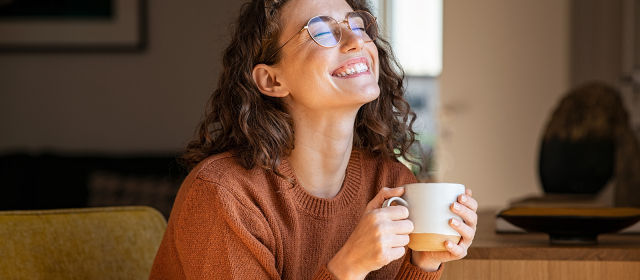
x: 323, y: 207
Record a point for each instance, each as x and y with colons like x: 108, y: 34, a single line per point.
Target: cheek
x: 308, y: 65
x: 308, y: 74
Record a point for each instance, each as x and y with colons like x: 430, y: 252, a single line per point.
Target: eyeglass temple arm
x: 285, y: 43
x: 374, y: 20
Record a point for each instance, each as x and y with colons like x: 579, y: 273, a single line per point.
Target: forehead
x: 296, y: 13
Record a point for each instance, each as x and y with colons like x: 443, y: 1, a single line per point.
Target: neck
x: 322, y: 148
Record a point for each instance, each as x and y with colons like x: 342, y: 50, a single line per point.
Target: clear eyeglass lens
x: 363, y: 24
x: 325, y: 31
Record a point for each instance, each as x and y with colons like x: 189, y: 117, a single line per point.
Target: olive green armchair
x: 87, y: 243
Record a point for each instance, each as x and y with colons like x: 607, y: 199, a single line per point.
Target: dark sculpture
x: 587, y: 142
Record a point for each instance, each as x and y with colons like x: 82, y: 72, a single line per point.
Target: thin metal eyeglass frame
x: 346, y: 19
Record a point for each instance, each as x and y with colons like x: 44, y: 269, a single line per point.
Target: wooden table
x: 524, y: 256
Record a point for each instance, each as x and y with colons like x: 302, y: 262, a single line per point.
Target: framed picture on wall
x: 72, y: 25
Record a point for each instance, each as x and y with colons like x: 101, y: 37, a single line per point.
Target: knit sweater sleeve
x: 217, y: 237
x: 410, y: 271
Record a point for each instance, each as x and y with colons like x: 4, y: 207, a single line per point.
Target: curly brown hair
x: 258, y: 128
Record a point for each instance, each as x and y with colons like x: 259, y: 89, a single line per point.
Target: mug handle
x: 397, y: 199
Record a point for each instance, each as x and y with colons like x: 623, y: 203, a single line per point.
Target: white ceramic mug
x: 429, y: 207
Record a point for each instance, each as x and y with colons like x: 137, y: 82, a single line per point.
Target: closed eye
x: 322, y: 34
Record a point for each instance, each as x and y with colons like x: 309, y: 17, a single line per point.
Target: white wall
x: 121, y: 102
x: 505, y: 65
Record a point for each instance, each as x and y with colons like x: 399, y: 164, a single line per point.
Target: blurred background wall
x: 147, y: 101
x: 506, y: 64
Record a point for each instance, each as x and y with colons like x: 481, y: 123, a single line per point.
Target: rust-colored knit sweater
x: 232, y: 223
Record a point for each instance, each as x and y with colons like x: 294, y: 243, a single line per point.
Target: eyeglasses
x: 326, y: 31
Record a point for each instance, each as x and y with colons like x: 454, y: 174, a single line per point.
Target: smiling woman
x: 296, y: 154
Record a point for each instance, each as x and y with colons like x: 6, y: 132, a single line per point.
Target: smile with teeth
x: 353, y: 69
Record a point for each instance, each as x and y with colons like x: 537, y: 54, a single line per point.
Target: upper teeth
x: 356, y: 68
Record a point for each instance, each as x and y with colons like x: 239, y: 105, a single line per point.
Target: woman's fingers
x: 390, y: 221
x: 396, y: 253
x: 457, y: 252
x: 465, y: 231
x: 402, y: 227
x: 399, y: 240
x: 469, y: 216
x: 384, y: 194
x: 393, y: 213
x: 467, y: 200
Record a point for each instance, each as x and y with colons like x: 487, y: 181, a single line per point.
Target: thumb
x: 384, y: 194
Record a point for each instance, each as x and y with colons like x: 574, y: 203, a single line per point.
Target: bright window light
x: 414, y: 29
x: 416, y: 35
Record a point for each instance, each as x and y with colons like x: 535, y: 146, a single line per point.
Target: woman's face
x: 312, y: 73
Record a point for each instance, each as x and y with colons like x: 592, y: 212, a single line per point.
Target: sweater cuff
x: 410, y: 271
x: 324, y: 274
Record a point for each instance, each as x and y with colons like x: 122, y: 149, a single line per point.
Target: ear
x: 268, y: 82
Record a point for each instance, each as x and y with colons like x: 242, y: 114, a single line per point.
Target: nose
x: 350, y: 40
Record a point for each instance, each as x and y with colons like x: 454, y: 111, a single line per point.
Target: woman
x: 297, y: 154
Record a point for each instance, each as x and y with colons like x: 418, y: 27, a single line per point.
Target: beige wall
x: 149, y: 101
x: 505, y: 65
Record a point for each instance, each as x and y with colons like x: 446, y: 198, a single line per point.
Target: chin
x: 368, y: 93
x: 373, y: 91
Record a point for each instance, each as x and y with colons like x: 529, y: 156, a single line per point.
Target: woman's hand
x: 466, y: 208
x: 378, y: 239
